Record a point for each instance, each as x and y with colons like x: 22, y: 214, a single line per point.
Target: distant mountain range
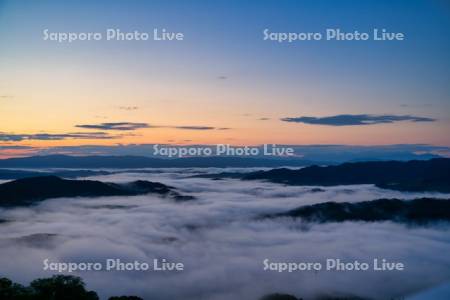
x: 130, y: 162
x: 30, y: 190
x: 318, y: 155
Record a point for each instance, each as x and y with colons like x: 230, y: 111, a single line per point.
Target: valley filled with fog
x: 221, y: 240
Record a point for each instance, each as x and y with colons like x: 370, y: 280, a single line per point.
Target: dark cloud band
x: 352, y: 120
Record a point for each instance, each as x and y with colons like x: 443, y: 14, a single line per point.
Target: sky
x: 223, y: 83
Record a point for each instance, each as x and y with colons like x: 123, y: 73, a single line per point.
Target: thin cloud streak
x: 123, y: 126
x: 193, y: 127
x: 129, y: 126
x: 129, y: 108
x: 6, y: 137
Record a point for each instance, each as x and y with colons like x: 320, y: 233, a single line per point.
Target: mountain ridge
x: 31, y: 190
x: 420, y: 211
x: 414, y: 175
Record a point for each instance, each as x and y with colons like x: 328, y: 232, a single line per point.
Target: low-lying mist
x: 221, y: 242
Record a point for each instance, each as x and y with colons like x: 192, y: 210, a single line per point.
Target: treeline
x: 58, y: 287
x: 63, y: 287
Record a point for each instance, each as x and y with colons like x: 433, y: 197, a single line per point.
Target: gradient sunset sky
x: 223, y: 83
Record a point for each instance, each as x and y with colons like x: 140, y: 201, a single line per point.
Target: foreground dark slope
x: 430, y: 175
x: 29, y: 190
x: 415, y: 212
x: 65, y: 287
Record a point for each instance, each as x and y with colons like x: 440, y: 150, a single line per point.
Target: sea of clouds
x: 220, y: 241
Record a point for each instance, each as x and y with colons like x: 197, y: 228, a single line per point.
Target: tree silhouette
x: 125, y: 298
x: 61, y: 287
x: 279, y: 297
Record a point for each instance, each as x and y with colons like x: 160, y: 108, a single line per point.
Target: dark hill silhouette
x: 416, y: 175
x: 29, y: 190
x: 415, y: 212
